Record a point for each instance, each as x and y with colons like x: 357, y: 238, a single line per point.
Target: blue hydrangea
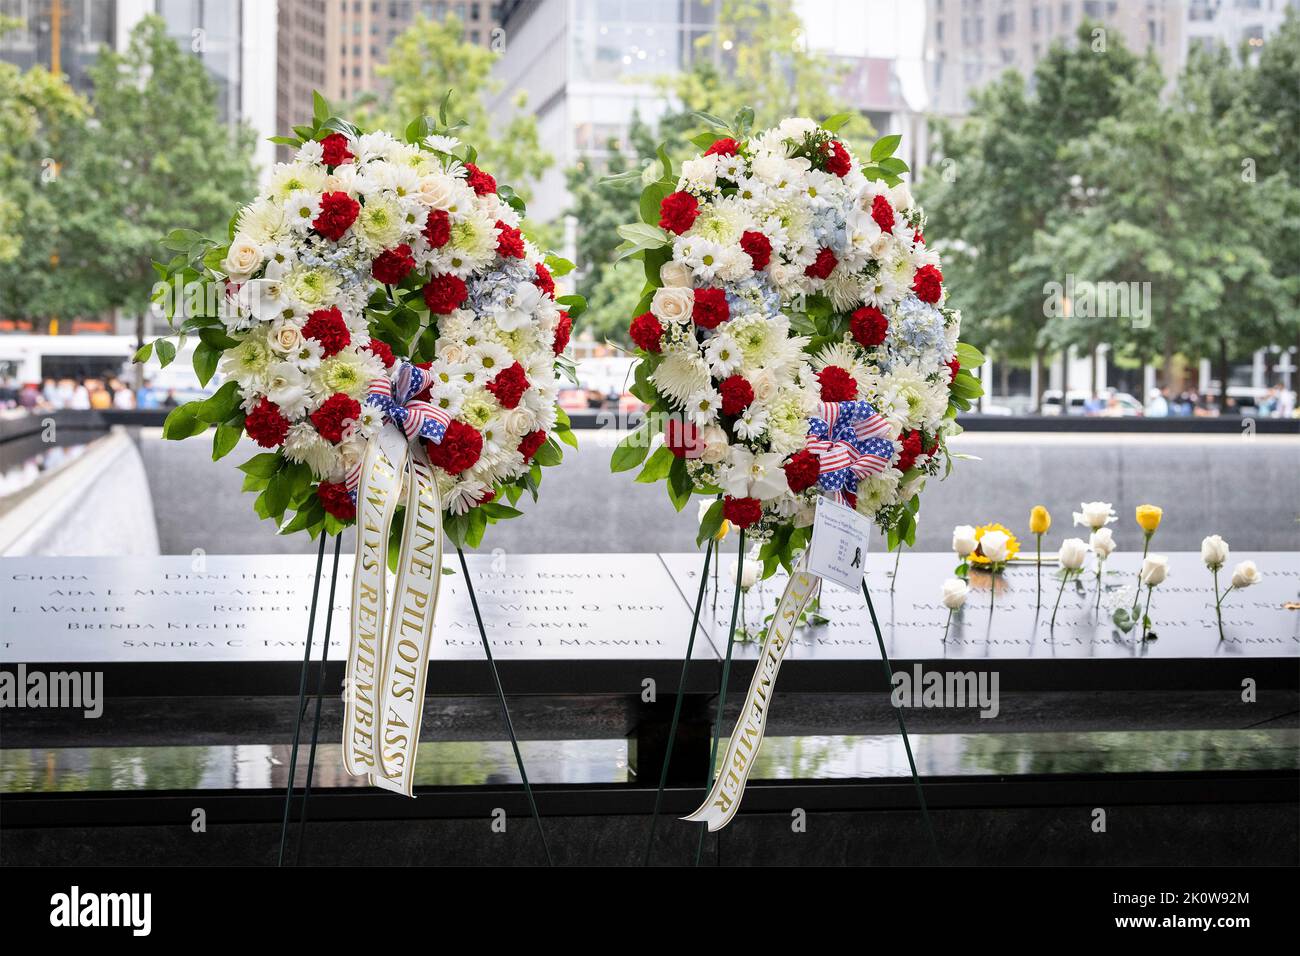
x: 915, y: 335
x: 487, y: 294
x: 830, y: 230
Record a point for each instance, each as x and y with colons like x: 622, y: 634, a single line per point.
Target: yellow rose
x: 1148, y: 517
x: 1040, y: 520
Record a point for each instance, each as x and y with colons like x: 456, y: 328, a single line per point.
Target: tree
x: 40, y: 118
x: 157, y: 157
x: 429, y: 58
x: 1004, y: 177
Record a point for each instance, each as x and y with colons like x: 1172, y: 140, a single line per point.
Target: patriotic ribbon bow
x: 851, y: 443
x: 395, y: 398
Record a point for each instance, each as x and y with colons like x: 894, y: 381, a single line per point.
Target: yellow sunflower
x: 1013, y: 545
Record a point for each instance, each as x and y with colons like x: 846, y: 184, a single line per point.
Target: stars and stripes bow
x: 394, y: 396
x: 851, y: 442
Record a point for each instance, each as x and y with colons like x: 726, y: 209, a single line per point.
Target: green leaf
x: 892, y: 164
x: 710, y: 523
x: 205, y: 361
x: 657, y: 466
x: 680, y: 485
x: 651, y: 198
x: 263, y: 465
x: 885, y: 146
x: 166, y: 351
x: 558, y: 266
x: 181, y: 423
x: 631, y: 451
x: 549, y: 454
x: 320, y: 108
x: 832, y: 124
x: 142, y: 353
x: 219, y: 406
x: 643, y: 235
x: 969, y: 356
x: 499, y: 512
x: 224, y: 440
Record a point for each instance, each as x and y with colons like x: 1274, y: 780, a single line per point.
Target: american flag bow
x: 395, y: 397
x: 851, y: 441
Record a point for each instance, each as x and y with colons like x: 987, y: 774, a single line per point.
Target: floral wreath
x: 793, y: 337
x: 375, y: 279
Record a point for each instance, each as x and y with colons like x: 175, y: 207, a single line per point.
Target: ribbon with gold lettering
x: 388, y: 654
x: 724, y: 799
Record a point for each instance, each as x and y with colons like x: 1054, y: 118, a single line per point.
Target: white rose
x: 764, y: 384
x: 1102, y: 543
x: 243, y: 258
x: 675, y: 275
x: 900, y: 197
x: 1245, y: 574
x: 454, y: 353
x: 435, y: 192
x: 1155, y: 569
x: 700, y: 172
x: 994, y: 546
x: 1072, y: 553
x: 1214, y: 552
x: 518, y: 420
x: 1095, y: 514
x: 954, y: 593
x: 749, y: 573
x: 715, y: 445
x: 673, y: 304
x: 286, y: 336
x: 963, y: 540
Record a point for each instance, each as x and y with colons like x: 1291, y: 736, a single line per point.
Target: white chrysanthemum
x: 311, y: 287
x: 489, y: 358
x: 247, y: 362
x: 463, y: 495
x: 881, y: 291
x: 304, y: 444
x: 787, y: 420
x: 909, y: 400
x: 878, y: 491
x: 699, y: 175
x: 261, y: 220
x: 704, y: 256
x: 679, y: 376
x: 399, y: 179
x: 840, y: 354
x: 844, y: 289
x: 301, y: 209
x: 752, y: 422
x: 288, y: 178
x: 478, y: 408
x: 349, y: 372
x: 473, y: 244
x: 379, y: 223
x: 448, y: 397
x: 312, y: 151
x: 380, y: 145
x: 442, y: 144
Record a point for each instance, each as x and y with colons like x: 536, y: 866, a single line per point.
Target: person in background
x: 100, y: 397
x: 78, y: 396
x: 1157, y: 404
x: 1285, y: 403
x: 123, y: 397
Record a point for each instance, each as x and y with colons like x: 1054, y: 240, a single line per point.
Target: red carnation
x: 682, y: 438
x: 437, y: 228
x: 823, y: 265
x: 266, y: 425
x: 677, y: 212
x: 920, y: 238
x: 510, y: 241
x: 646, y: 332
x: 544, y: 280
x: 334, y: 498
x: 710, y: 309
x: 742, y: 512
x: 338, y: 211
x: 458, y: 450
x: 563, y: 329
x: 393, y: 265
x: 737, y: 393
x: 910, y: 451
x: 802, y: 470
x: 758, y: 248
x: 444, y: 294
x: 327, y: 327
x: 837, y: 159
x: 334, y: 149
x: 509, y: 385
x: 722, y: 147
x: 928, y: 284
x: 869, y: 326
x: 529, y: 444
x: 330, y: 418
x: 883, y: 213
x: 954, y: 366
x: 382, y: 351
x: 837, y: 384
x: 480, y: 181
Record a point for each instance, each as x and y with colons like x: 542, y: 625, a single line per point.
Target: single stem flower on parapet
x: 963, y: 543
x: 1071, y: 557
x: 1102, y: 543
x: 1040, y: 522
x: 1214, y: 552
x: 955, y: 591
x: 898, y: 556
x: 1155, y: 568
x: 1148, y: 519
x: 997, y: 546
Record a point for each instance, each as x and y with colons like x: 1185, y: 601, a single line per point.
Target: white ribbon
x: 724, y: 798
x: 388, y: 655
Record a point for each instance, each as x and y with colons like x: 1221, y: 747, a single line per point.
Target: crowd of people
x: 107, y: 391
x: 1276, y: 402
